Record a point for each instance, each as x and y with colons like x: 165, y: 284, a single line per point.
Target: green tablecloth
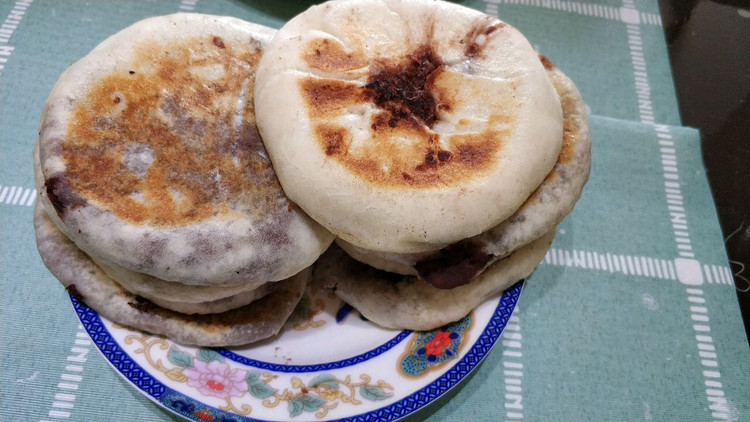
x: 631, y: 316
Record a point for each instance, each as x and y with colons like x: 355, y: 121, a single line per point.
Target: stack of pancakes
x: 432, y: 140
x: 429, y: 139
x: 159, y: 207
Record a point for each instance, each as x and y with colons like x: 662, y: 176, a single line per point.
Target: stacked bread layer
x: 156, y: 187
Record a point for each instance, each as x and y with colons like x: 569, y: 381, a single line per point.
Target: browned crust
x: 203, y: 162
x: 459, y: 263
x: 409, y: 100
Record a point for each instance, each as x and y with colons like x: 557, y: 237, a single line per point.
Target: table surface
x: 713, y: 91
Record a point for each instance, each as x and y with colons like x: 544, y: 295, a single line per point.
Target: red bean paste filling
x: 405, y: 89
x: 61, y: 195
x: 455, y: 265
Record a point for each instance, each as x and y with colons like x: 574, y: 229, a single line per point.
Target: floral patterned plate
x: 327, y: 363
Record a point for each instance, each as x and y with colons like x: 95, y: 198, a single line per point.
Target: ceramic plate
x: 328, y: 363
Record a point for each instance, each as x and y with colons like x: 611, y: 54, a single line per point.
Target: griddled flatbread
x: 184, y: 298
x: 151, y: 160
x: 86, y: 281
x: 173, y: 295
x: 410, y: 125
x: 405, y: 302
x: 153, y: 288
x: 545, y: 208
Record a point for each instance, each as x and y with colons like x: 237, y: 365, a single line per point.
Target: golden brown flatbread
x: 88, y: 283
x: 151, y: 160
x: 405, y: 302
x: 411, y: 124
x: 545, y: 208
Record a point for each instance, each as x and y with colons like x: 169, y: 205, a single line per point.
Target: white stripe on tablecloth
x: 687, y: 268
x: 3, y: 193
x: 17, y: 195
x: 513, y: 368
x: 8, y: 27
x: 187, y: 5
x: 644, y: 266
x: 71, y: 378
x: 582, y: 8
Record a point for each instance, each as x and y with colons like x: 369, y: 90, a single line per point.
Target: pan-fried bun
x: 151, y: 160
x: 409, y: 124
x: 182, y: 297
x: 186, y: 298
x: 154, y: 288
x: 82, y: 278
x: 214, y: 306
x: 405, y: 302
x: 544, y: 209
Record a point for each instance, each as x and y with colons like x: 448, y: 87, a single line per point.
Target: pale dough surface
x: 390, y: 168
x: 151, y: 160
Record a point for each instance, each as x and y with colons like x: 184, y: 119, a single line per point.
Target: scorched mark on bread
x: 170, y: 139
x: 548, y: 65
x: 405, y: 89
x: 218, y: 42
x: 330, y: 97
x: 403, y: 98
x: 143, y: 305
x: 336, y: 137
x: 454, y: 265
x: 328, y: 55
x: 60, y: 194
x: 73, y: 291
x: 475, y: 40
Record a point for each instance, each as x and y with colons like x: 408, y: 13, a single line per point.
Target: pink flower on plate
x: 216, y: 379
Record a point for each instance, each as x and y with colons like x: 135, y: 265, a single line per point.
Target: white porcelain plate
x: 327, y: 364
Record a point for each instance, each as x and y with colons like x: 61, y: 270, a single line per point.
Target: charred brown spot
x: 471, y: 154
x: 73, y: 291
x: 404, y: 89
x: 571, y: 131
x: 433, y: 158
x: 444, y: 156
x: 401, y: 149
x: 546, y: 62
x: 476, y: 40
x: 143, y: 305
x: 430, y: 158
x: 334, y: 137
x: 218, y: 42
x: 476, y: 151
x: 454, y: 265
x: 61, y: 195
x: 326, y: 97
x: 329, y: 55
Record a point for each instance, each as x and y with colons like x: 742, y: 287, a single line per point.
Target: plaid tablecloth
x: 632, y: 315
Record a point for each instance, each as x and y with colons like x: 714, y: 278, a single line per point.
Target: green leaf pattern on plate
x: 373, y: 393
x: 325, y: 381
x: 207, y: 355
x: 179, y: 358
x: 304, y: 402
